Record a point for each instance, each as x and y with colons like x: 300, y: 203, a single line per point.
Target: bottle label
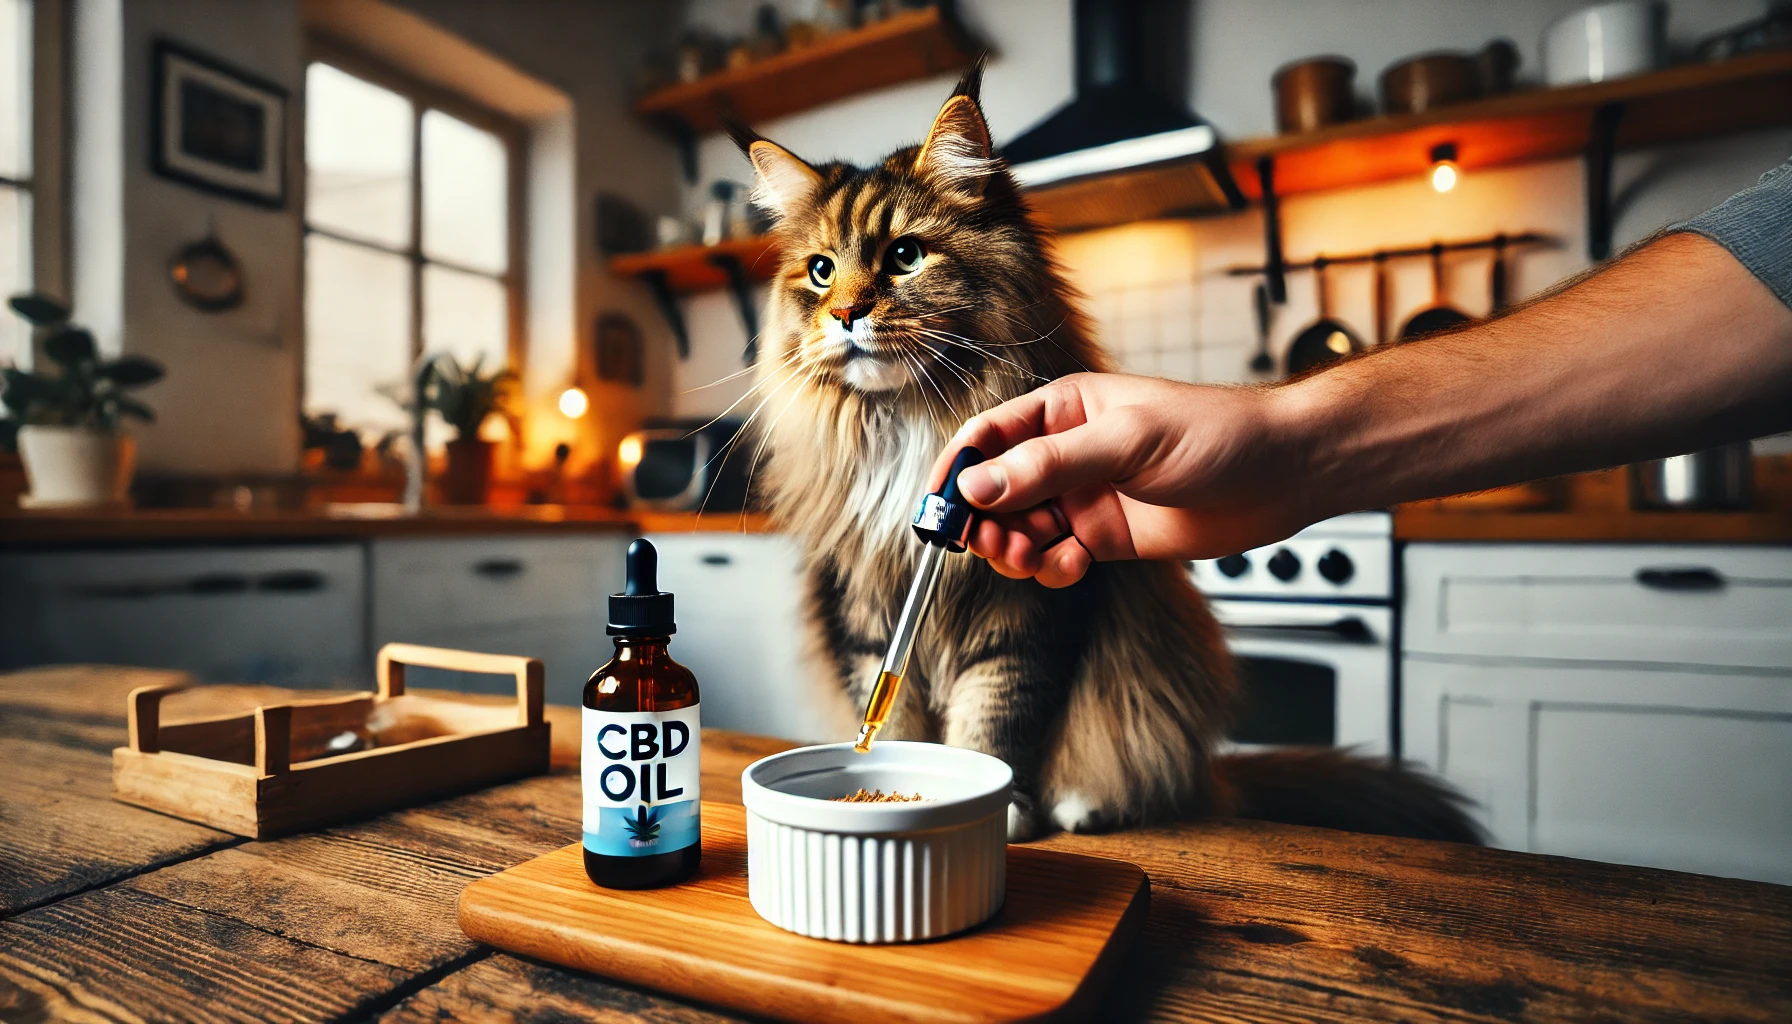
x: 641, y: 774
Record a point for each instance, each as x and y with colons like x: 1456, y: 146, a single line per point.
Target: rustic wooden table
x: 110, y: 912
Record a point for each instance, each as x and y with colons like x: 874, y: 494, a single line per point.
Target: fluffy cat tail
x: 1338, y: 789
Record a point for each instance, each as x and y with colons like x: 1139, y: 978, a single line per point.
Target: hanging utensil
x: 1327, y: 340
x: 1381, y: 299
x: 1440, y: 315
x: 1497, y: 283
x: 1262, y: 362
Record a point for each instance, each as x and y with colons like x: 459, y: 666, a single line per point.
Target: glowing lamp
x: 629, y: 452
x: 573, y: 403
x: 1444, y: 171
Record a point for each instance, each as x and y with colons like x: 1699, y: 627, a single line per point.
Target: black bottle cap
x: 944, y: 518
x: 642, y: 609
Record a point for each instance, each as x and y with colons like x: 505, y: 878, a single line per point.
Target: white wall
x: 1154, y: 289
x: 230, y: 401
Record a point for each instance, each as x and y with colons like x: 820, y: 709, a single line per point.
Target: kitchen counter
x: 1595, y: 507
x: 347, y: 522
x: 108, y: 910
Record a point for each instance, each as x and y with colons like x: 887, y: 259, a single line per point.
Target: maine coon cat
x: 912, y: 295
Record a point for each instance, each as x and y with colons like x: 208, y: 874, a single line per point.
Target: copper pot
x: 1429, y: 81
x: 1313, y: 93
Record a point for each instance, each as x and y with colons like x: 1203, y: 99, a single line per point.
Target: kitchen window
x: 410, y: 234
x: 16, y: 124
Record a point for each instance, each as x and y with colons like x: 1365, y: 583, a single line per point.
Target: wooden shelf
x: 1595, y: 507
x: 1693, y: 101
x: 901, y: 48
x: 697, y: 268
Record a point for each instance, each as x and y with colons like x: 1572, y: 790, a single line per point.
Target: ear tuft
x: 743, y: 136
x: 785, y: 185
x: 971, y: 83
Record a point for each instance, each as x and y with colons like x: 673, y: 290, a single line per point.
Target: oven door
x: 1312, y: 674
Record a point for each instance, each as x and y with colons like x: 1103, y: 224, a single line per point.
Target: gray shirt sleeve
x: 1756, y: 226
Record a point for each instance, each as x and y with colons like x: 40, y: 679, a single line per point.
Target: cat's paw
x: 1023, y: 822
x: 1074, y: 813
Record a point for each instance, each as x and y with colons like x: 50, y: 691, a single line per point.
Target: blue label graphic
x: 643, y: 829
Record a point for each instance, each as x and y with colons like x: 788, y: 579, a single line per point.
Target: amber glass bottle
x: 640, y: 749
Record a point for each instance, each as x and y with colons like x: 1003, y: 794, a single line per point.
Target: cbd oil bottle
x: 640, y: 745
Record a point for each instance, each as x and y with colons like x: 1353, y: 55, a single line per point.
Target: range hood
x: 1116, y: 121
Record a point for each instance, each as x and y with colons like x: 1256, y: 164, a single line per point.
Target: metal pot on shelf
x: 1717, y: 478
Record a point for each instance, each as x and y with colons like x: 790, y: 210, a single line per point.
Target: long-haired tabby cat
x: 911, y: 296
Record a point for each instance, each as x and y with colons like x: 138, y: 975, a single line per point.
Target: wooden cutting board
x: 1045, y: 957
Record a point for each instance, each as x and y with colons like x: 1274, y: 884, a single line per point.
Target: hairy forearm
x: 1673, y: 348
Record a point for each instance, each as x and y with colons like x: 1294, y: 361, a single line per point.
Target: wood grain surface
x: 110, y: 912
x: 1046, y: 956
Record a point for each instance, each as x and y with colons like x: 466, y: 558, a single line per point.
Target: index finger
x: 994, y: 431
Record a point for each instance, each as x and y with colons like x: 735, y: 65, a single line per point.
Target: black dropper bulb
x: 944, y: 517
x: 642, y: 609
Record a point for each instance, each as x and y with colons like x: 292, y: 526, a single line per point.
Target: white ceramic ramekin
x: 885, y: 872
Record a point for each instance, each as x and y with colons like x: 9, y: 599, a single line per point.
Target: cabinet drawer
x: 740, y: 630
x: 1672, y: 769
x: 1692, y: 605
x: 540, y: 597
x: 287, y: 615
x: 491, y: 581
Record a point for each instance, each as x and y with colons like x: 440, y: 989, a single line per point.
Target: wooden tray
x: 1045, y: 957
x: 269, y: 772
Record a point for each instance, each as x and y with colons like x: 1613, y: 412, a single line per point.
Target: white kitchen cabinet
x: 740, y: 629
x: 1663, y: 767
x: 542, y: 597
x: 1592, y: 714
x: 292, y: 615
x: 1685, y: 604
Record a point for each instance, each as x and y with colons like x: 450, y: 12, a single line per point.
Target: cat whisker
x: 966, y: 343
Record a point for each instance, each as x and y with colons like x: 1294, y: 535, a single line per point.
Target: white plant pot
x: 75, y: 467
x: 883, y: 872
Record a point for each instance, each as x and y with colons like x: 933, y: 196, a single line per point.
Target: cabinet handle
x: 1696, y: 577
x: 499, y: 568
x: 292, y: 581
x: 717, y: 558
x: 218, y: 583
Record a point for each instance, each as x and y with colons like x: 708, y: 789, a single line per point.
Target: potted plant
x: 465, y: 397
x: 65, y: 423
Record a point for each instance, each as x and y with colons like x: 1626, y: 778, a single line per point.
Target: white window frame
x: 425, y: 97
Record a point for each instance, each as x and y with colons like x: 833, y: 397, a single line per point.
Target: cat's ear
x: 958, y: 154
x: 784, y: 185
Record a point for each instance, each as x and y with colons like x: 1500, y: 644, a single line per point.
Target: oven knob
x: 1233, y: 566
x: 1284, y: 565
x: 1336, y: 566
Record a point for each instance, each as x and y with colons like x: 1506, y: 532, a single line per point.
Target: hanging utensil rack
x: 1498, y: 241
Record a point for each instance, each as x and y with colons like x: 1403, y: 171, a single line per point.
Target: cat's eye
x: 903, y: 256
x: 821, y: 271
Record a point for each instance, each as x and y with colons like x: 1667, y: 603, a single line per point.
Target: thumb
x: 1042, y: 468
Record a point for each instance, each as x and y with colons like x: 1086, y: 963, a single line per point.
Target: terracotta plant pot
x: 76, y: 467
x: 469, y: 471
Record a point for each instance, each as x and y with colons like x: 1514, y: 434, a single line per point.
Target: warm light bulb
x: 1338, y: 342
x: 1443, y: 176
x: 573, y: 403
x: 629, y: 452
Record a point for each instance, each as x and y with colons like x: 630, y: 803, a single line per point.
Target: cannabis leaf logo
x: 644, y: 827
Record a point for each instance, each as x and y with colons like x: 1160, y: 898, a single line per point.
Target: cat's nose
x: 847, y: 314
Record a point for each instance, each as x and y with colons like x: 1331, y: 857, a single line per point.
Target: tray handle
x: 528, y: 672
x: 143, y: 714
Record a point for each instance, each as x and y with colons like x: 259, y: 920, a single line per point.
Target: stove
x: 1311, y: 621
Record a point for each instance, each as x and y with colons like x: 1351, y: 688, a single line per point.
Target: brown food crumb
x: 876, y: 797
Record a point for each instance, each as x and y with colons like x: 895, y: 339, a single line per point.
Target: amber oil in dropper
x: 942, y: 522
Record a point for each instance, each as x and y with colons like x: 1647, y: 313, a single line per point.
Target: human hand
x: 1106, y: 466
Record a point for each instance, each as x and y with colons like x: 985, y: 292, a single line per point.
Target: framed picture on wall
x: 216, y: 128
x: 619, y: 351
